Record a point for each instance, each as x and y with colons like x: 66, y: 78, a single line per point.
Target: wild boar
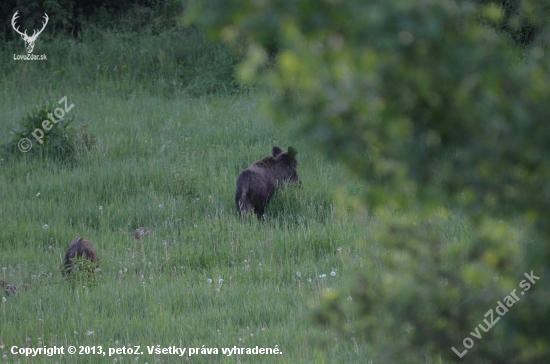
x: 9, y: 289
x: 257, y: 183
x: 141, y: 233
x: 79, y: 248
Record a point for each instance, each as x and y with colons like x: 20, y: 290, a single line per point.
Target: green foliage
x: 82, y: 272
x: 520, y: 20
x: 435, y: 291
x: 433, y: 104
x: 61, y: 141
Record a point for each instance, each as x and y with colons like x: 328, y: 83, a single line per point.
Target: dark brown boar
x: 257, y: 183
x: 79, y: 248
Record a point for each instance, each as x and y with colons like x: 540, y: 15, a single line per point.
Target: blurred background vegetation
x: 69, y: 17
x: 440, y: 106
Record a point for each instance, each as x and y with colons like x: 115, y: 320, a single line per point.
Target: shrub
x: 62, y: 141
x: 82, y: 272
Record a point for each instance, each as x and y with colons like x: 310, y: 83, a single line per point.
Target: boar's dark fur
x: 79, y: 248
x: 257, y: 183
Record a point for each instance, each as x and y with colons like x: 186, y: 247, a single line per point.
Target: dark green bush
x: 62, y: 141
x: 82, y: 272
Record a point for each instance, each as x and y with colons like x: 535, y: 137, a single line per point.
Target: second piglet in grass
x: 257, y: 183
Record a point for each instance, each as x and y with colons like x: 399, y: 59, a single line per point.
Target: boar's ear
x: 292, y: 152
x: 277, y: 151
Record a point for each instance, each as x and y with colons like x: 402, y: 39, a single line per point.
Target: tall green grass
x: 172, y: 166
x: 177, y: 62
x: 169, y: 161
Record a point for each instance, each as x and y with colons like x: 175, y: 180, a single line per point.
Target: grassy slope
x: 171, y: 164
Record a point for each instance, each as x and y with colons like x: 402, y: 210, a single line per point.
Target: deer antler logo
x: 29, y: 41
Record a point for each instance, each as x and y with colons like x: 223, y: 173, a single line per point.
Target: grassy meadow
x: 402, y: 262
x: 168, y: 159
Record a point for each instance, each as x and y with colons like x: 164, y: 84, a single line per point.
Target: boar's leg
x: 242, y: 200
